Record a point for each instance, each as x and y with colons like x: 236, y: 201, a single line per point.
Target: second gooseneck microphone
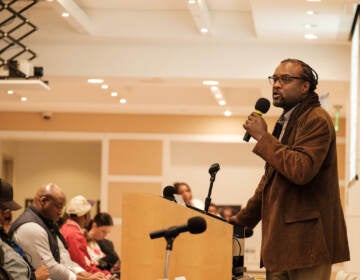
x: 261, y: 107
x: 195, y: 225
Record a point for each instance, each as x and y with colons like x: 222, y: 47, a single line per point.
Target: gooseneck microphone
x: 261, y: 107
x: 195, y: 225
x: 168, y: 193
x: 214, y: 168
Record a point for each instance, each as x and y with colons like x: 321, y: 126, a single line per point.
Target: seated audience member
x: 102, y: 250
x: 13, y: 259
x: 73, y: 230
x: 184, y: 190
x: 213, y: 210
x: 36, y: 231
x: 7, y: 220
x: 226, y: 212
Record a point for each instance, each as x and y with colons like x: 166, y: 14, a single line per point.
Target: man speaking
x: 297, y: 199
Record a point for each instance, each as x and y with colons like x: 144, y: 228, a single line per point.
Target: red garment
x: 77, y: 246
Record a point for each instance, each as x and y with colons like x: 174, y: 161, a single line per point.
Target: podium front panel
x: 207, y: 255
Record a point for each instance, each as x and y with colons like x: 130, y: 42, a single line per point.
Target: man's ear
x: 306, y: 86
x: 42, y: 200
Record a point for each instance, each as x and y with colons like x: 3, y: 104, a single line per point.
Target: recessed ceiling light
x: 104, y: 86
x: 227, y: 113
x: 218, y: 95
x: 23, y: 98
x: 311, y: 12
x: 114, y: 94
x: 95, y: 81
x: 210, y: 83
x: 65, y: 14
x: 222, y: 102
x: 310, y: 36
x: 204, y: 30
x: 214, y: 89
x: 122, y: 100
x: 313, y: 0
x: 10, y: 91
x: 191, y: 2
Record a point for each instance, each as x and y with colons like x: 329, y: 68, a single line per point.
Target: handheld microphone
x: 261, y: 107
x: 168, y: 193
x: 195, y: 225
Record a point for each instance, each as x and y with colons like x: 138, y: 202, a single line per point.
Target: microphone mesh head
x: 196, y: 225
x: 214, y: 168
x: 262, y: 105
x: 168, y: 191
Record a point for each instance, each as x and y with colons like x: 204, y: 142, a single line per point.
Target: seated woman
x: 102, y: 250
x: 184, y: 190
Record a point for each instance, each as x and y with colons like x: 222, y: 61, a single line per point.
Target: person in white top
x: 100, y: 249
x: 184, y: 190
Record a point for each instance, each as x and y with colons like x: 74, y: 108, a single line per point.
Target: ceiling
x: 152, y: 53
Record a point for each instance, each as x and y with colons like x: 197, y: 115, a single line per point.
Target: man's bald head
x: 49, y: 189
x: 50, y: 200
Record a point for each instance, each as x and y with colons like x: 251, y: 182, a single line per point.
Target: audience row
x: 36, y: 246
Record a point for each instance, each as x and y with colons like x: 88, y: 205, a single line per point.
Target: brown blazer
x: 298, y: 197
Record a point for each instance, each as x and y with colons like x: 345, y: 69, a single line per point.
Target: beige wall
x: 74, y: 166
x: 78, y: 122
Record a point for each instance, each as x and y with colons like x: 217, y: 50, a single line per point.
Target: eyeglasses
x: 283, y: 79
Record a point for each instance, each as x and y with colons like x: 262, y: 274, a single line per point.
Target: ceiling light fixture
x: 227, y: 113
x: 310, y: 36
x: 114, y: 94
x: 200, y: 15
x: 218, y: 95
x: 210, y: 83
x: 95, y: 81
x: 77, y: 17
x: 214, y: 89
x: 222, y: 102
x: 313, y: 0
x: 122, y: 100
x: 311, y: 12
x: 204, y: 30
x: 23, y: 99
x: 10, y: 91
x: 104, y: 86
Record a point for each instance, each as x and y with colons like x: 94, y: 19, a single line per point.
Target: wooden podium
x: 204, y: 256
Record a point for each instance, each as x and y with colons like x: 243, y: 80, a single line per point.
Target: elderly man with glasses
x: 298, y: 197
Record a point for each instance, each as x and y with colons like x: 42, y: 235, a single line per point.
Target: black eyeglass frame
x: 284, y: 79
